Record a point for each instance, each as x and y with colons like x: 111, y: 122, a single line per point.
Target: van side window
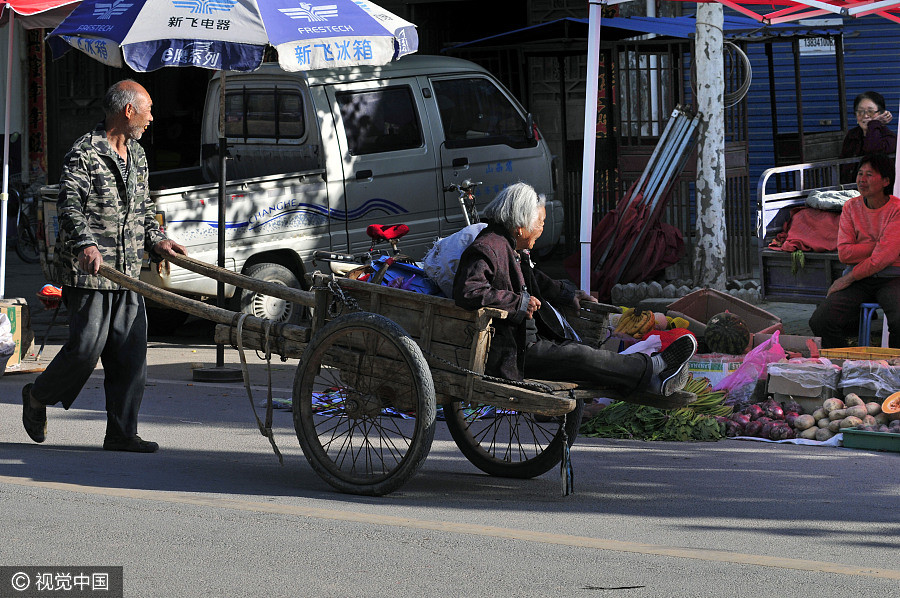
x: 380, y: 120
x: 264, y: 114
x: 475, y: 112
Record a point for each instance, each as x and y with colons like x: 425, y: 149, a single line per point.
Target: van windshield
x: 476, y: 112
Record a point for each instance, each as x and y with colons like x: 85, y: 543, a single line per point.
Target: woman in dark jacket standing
x: 534, y: 340
x: 871, y: 135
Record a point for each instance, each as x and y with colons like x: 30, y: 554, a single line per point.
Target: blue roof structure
x: 570, y: 30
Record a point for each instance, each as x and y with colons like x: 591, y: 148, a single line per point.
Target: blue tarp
x: 618, y: 28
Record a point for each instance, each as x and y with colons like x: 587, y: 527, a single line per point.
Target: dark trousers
x: 837, y: 317
x: 574, y: 361
x: 110, y: 326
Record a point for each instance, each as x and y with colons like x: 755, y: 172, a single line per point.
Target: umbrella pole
x: 590, y: 142
x: 220, y: 373
x: 4, y: 195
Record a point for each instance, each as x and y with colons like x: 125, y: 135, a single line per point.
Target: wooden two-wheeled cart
x: 376, y: 364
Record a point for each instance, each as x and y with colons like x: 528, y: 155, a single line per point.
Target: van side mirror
x: 529, y: 127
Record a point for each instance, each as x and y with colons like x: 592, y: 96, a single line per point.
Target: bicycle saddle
x: 386, y: 232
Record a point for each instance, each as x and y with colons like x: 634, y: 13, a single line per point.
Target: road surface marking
x: 717, y: 556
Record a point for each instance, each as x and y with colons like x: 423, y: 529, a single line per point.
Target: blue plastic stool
x: 866, y: 311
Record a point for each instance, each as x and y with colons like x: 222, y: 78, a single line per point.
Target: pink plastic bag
x: 753, y: 369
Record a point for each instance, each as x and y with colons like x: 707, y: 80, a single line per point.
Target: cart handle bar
x: 249, y: 283
x: 198, y: 308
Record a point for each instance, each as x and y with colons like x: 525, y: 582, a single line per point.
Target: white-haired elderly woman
x: 496, y: 271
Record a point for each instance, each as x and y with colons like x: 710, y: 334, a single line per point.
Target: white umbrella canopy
x: 35, y: 14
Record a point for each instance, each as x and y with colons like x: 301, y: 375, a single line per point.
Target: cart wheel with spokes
x: 364, y: 404
x: 510, y: 444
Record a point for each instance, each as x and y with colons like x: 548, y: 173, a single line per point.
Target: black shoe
x: 670, y: 366
x: 134, y: 444
x: 34, y: 420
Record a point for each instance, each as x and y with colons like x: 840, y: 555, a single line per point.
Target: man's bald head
x: 123, y: 93
x: 128, y: 109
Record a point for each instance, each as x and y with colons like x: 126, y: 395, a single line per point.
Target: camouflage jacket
x: 93, y: 211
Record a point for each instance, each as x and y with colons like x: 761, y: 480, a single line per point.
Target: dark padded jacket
x: 492, y: 273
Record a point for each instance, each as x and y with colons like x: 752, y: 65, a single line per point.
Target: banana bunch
x: 634, y: 322
x: 708, y: 402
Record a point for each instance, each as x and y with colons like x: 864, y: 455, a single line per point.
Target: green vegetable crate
x: 873, y: 441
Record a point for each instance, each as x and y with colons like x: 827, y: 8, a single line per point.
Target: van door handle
x: 363, y: 174
x: 460, y: 162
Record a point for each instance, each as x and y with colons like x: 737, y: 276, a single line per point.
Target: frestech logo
x: 312, y: 13
x: 205, y: 7
x: 108, y: 10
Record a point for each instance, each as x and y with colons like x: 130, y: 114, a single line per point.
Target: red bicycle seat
x: 386, y: 232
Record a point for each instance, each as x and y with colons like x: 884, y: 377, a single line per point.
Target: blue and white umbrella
x: 233, y: 34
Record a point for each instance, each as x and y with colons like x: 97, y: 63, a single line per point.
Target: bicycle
x: 342, y: 264
x: 26, y: 230
x: 466, y: 190
x: 370, y: 265
x: 26, y: 223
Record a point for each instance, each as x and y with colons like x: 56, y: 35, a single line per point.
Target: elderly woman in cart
x: 869, y: 243
x: 535, y: 340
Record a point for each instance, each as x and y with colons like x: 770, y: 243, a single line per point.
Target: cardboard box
x: 809, y: 384
x: 14, y: 311
x: 791, y: 342
x: 698, y: 307
x: 714, y: 366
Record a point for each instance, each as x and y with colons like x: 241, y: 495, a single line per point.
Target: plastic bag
x: 442, y: 260
x: 808, y: 373
x: 741, y: 384
x: 869, y: 378
x: 7, y: 344
x: 408, y: 277
x: 648, y: 346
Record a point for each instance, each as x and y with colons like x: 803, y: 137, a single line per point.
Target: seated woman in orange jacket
x: 869, y: 243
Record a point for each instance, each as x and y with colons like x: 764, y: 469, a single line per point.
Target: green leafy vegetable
x: 641, y: 422
x: 798, y: 261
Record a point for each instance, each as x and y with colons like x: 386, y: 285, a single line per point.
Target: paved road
x: 214, y: 514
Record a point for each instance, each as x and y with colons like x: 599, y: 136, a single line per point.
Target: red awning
x: 36, y: 14
x: 772, y: 12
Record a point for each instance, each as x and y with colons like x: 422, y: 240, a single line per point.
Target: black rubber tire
x: 360, y: 447
x: 510, y: 444
x: 271, y: 308
x: 26, y: 243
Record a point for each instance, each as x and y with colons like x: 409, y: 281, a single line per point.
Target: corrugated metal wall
x: 871, y: 61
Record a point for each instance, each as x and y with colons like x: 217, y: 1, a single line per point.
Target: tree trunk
x: 709, y: 255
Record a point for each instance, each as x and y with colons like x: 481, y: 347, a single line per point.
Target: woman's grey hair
x: 120, y: 95
x: 515, y: 206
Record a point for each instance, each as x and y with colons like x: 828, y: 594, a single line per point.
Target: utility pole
x: 709, y: 252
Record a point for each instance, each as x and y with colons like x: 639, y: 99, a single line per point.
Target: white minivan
x: 316, y: 157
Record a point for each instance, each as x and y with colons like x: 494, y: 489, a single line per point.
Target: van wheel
x: 272, y: 308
